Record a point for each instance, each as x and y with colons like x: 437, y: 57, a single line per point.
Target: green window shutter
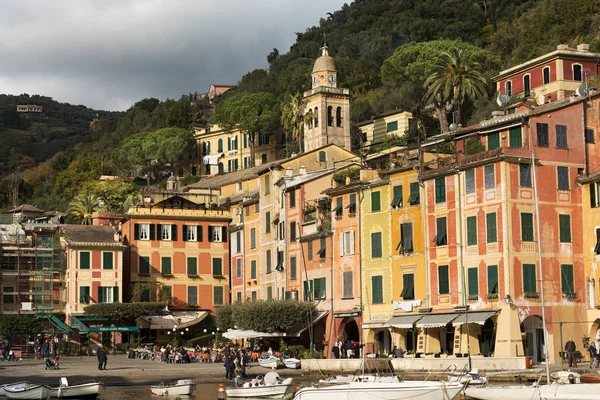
x: 566, y: 273
x: 253, y: 269
x: 470, y: 180
x: 492, y: 273
x: 107, y: 260
x: 184, y: 233
x: 267, y: 222
x: 317, y: 289
x: 414, y: 193
x: 173, y: 232
x: 471, y: 230
x: 408, y: 287
x: 375, y: 201
x: 309, y: 250
x: 443, y: 282
x: 293, y: 268
x: 144, y: 265
x: 593, y: 203
x: 218, y: 295
x: 192, y: 266
x: 376, y: 245
x: 166, y: 265
x: 494, y: 141
x: 199, y: 232
x: 397, y: 200
x: 217, y: 266
x: 392, y: 126
x: 440, y: 190
x: 115, y: 294
x: 136, y: 231
x: 565, y: 228
x: 152, y: 231
x: 100, y: 294
x: 527, y: 227
x: 473, y: 280
x: 339, y: 207
x: 84, y: 260
x: 492, y: 234
x: 377, y: 289
x: 515, y: 137
x: 529, y: 283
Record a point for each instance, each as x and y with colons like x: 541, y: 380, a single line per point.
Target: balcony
x: 489, y: 155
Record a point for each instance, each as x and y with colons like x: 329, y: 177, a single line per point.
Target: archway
x: 488, y: 338
x: 410, y: 344
x: 383, y: 340
x: 533, y: 340
x: 351, y: 331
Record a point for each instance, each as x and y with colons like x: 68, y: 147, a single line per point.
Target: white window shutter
x: 351, y: 242
x: 341, y: 244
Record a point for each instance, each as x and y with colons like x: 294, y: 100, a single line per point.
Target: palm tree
x: 292, y: 118
x: 456, y: 77
x: 82, y: 207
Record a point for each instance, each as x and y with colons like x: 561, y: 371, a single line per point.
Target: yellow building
x: 375, y: 131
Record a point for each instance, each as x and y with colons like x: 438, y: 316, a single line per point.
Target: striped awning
x: 436, y: 320
x: 475, y: 317
x: 404, y: 321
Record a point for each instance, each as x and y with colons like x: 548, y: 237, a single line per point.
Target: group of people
x: 44, y: 348
x: 350, y: 349
x: 6, y: 353
x: 235, y: 363
x: 594, y: 355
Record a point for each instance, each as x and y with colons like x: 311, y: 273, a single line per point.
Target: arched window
x: 316, y: 116
x: 546, y: 75
x: 220, y: 146
x: 577, y: 73
x: 204, y: 152
x: 329, y: 116
x: 527, y: 85
x: 207, y: 147
x: 309, y: 120
x: 221, y: 168
x: 508, y: 88
x: 338, y: 117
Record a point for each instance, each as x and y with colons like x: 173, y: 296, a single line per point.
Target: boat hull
x: 421, y: 390
x: 260, y: 392
x: 86, y: 390
x: 179, y: 389
x: 292, y: 363
x: 272, y: 362
x: 3, y: 392
x: 28, y: 391
x: 577, y: 391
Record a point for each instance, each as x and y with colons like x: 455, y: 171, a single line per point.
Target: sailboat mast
x: 539, y: 251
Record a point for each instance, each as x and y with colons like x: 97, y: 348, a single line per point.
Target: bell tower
x: 327, y: 106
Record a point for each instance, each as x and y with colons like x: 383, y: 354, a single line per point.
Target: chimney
x: 302, y: 170
x: 562, y: 47
x: 497, y: 114
x: 583, y: 47
x: 288, y: 172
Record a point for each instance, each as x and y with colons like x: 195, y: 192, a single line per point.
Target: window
x: 589, y: 135
x: 167, y: 232
x: 406, y: 237
x: 165, y: 266
x: 352, y: 206
x: 440, y: 238
x: 253, y: 269
x: 561, y: 136
x: 376, y: 245
x: 377, y: 289
x: 527, y: 85
x: 144, y: 265
x: 348, y: 285
x: 375, y: 201
x: 563, y: 178
x: 339, y: 207
x: 408, y: 287
x: 346, y: 243
x: 238, y: 268
x: 525, y: 175
x: 508, y: 88
x: 267, y: 185
x: 218, y: 295
x: 527, y: 227
x: 515, y: 138
x: 292, y: 198
x: 254, y: 295
x: 546, y: 75
x: 470, y: 180
x: 293, y: 273
x: 309, y: 250
x: 566, y: 275
x: 292, y: 231
x: 529, y: 283
x: 397, y: 200
x: 217, y: 266
x: 190, y: 233
x: 108, y: 294
x: 192, y: 266
x: 322, y: 156
x: 493, y: 140
x: 491, y: 229
x: 220, y: 146
x: 330, y: 116
x: 542, y: 134
x: 84, y: 260
x: 440, y: 190
x: 238, y: 242
x: 252, y: 238
x: 471, y: 231
x: 84, y: 294
x: 282, y: 230
x: 473, y: 280
x: 490, y: 179
x: 492, y: 275
x: 268, y: 261
x: 217, y: 234
x: 269, y: 293
x: 564, y: 222
x: 320, y: 286
x: 268, y: 222
x: 256, y: 207
x: 308, y: 290
x: 192, y: 298
x: 443, y: 280
x: 143, y: 232
x: 577, y: 73
x: 239, y: 294
x: 279, y: 266
x: 414, y: 198
x: 338, y: 117
x: 597, y: 248
x: 392, y: 126
x: 322, y: 248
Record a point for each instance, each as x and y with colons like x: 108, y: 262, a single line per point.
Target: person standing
x: 593, y: 353
x: 570, y: 348
x: 336, y: 351
x: 102, y: 358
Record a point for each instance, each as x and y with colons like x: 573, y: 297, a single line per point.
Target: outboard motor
x: 571, y: 378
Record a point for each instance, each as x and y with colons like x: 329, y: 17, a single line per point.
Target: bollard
x: 221, y: 393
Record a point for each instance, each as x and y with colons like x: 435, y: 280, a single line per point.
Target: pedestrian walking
x: 593, y: 354
x: 570, y: 348
x: 102, y: 358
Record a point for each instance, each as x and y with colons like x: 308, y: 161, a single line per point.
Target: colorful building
x: 376, y: 130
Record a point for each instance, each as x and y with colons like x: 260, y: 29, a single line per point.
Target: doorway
x: 533, y: 328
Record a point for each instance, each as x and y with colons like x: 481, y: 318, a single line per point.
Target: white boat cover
x: 241, y: 334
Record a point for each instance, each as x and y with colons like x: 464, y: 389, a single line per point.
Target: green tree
x: 253, y: 113
x: 81, y: 209
x: 15, y: 324
x: 113, y: 193
x: 293, y: 118
x: 172, y: 144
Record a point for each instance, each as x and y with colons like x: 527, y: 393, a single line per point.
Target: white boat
x: 183, y: 387
x: 292, y: 363
x: 271, y: 387
x: 85, y: 390
x: 343, y: 379
x: 3, y: 392
x: 270, y: 361
x: 27, y: 391
x: 554, y: 391
x: 471, y: 378
x: 422, y: 390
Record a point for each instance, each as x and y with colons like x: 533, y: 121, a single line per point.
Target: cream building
x: 374, y: 131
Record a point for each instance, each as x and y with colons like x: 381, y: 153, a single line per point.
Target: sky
x: 108, y: 54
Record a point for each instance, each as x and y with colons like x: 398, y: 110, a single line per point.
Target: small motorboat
x: 422, y: 390
x: 270, y: 361
x: 344, y: 379
x: 292, y: 363
x: 472, y: 378
x: 84, y: 390
x: 3, y: 392
x: 272, y: 386
x: 182, y: 387
x: 27, y: 391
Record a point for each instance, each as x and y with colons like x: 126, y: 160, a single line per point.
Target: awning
x: 297, y: 330
x: 404, y: 321
x: 436, y: 320
x: 240, y: 334
x: 181, y: 319
x: 475, y: 317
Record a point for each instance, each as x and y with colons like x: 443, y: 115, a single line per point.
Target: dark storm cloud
x: 108, y: 54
